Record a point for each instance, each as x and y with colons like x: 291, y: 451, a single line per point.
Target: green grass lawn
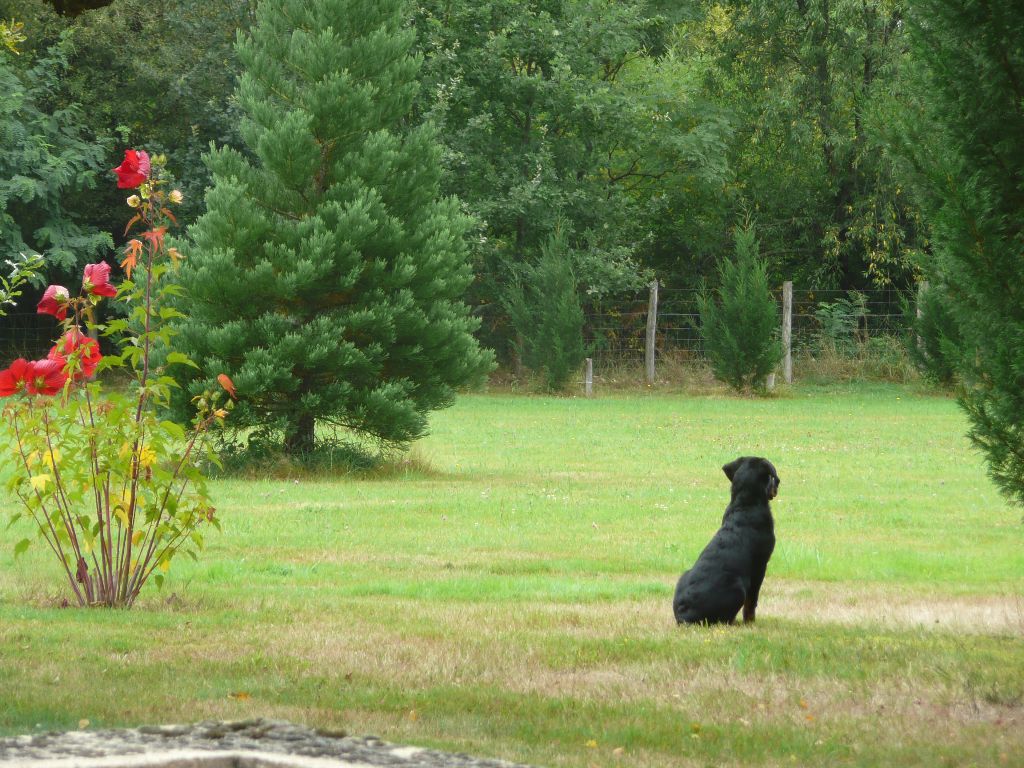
x: 507, y: 592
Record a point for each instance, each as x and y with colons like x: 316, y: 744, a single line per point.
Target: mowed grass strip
x: 507, y: 593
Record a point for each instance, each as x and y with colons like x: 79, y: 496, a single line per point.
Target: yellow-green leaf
x: 39, y: 482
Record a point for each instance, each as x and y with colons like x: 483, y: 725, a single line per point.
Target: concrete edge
x: 198, y: 758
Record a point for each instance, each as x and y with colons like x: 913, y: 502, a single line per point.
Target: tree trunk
x: 301, y: 435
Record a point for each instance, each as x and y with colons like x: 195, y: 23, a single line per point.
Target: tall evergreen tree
x: 545, y: 309
x: 740, y: 329
x: 965, y: 143
x: 327, y: 276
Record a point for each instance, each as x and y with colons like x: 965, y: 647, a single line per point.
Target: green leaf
x: 21, y: 546
x: 180, y: 358
x: 109, y: 361
x: 175, y: 430
x: 115, y: 326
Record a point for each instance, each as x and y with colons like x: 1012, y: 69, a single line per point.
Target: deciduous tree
x: 47, y: 157
x: 548, y: 122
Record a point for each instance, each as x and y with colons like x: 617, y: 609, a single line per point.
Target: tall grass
x: 506, y: 591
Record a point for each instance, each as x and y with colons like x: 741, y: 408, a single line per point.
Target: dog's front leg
x: 750, y: 600
x: 749, y: 606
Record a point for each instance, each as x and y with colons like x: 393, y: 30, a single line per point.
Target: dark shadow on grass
x: 262, y: 457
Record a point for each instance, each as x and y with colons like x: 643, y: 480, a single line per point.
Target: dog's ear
x: 772, y: 489
x: 731, y: 467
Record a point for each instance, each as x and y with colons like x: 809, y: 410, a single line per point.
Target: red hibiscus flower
x: 54, y: 302
x: 133, y: 170
x: 14, y: 379
x: 96, y: 280
x: 47, y: 377
x: 80, y: 350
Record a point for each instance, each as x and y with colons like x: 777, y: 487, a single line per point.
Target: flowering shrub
x: 113, y: 491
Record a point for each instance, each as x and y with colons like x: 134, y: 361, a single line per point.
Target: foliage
x: 840, y: 323
x: 549, y: 120
x: 11, y: 35
x: 46, y: 157
x: 113, y: 491
x: 961, y: 138
x: 22, y: 269
x: 739, y: 321
x: 182, y: 80
x: 28, y: 28
x: 328, y: 273
x: 806, y: 82
x: 686, y: 194
x: 935, y: 341
x: 544, y: 306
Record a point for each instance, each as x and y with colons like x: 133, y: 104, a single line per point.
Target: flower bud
x: 175, y: 196
x: 134, y: 201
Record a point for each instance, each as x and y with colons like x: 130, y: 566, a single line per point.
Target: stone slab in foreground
x: 209, y: 744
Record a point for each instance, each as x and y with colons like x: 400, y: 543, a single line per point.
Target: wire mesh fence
x: 845, y: 317
x: 617, y: 331
x: 25, y: 334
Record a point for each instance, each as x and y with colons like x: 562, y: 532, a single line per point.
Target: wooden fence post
x: 588, y: 379
x: 652, y: 329
x: 787, y: 331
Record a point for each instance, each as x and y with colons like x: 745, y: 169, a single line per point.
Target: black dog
x: 729, y: 572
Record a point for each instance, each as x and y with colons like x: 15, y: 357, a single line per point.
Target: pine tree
x: 326, y: 278
x: 545, y: 309
x: 934, y: 343
x: 965, y: 144
x: 740, y: 329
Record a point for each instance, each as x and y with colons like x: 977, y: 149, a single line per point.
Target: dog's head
x: 753, y: 474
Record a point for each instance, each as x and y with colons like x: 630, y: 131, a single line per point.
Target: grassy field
x: 507, y: 592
